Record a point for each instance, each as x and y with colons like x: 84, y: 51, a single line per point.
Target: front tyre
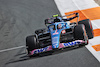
x: 31, y: 43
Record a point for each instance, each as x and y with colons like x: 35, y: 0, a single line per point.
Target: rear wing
x: 50, y: 20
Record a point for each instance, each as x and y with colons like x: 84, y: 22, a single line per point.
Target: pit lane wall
x: 87, y: 9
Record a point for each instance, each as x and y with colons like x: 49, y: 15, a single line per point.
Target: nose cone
x: 55, y: 39
x: 55, y: 42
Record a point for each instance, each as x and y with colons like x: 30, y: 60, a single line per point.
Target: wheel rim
x: 85, y: 36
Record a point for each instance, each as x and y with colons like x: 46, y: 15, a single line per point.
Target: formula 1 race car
x: 60, y: 34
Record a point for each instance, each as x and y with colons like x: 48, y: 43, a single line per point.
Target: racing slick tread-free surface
x: 31, y: 42
x: 79, y: 32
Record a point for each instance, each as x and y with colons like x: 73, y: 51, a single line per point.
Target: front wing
x: 61, y: 45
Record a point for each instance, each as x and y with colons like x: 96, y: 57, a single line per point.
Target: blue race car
x: 60, y: 34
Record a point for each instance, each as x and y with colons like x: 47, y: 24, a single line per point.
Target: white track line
x: 95, y: 53
x: 11, y: 49
x: 83, y: 13
x: 89, y: 46
x: 61, y: 6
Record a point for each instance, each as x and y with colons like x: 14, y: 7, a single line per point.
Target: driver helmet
x: 56, y: 18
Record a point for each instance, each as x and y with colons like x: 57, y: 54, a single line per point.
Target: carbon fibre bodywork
x: 59, y: 35
x: 54, y: 35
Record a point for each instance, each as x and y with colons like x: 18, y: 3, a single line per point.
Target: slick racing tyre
x: 88, y: 27
x: 31, y: 43
x: 80, y: 33
x: 40, y: 31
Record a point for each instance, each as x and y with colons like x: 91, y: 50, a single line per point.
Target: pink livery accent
x: 35, y: 51
x: 61, y: 45
x: 55, y: 32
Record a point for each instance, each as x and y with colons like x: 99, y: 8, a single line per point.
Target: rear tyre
x: 31, y: 43
x: 88, y: 27
x: 80, y: 33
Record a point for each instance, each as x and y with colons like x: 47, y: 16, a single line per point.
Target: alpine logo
x: 55, y: 33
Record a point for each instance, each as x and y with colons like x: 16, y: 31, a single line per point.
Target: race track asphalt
x: 20, y: 18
